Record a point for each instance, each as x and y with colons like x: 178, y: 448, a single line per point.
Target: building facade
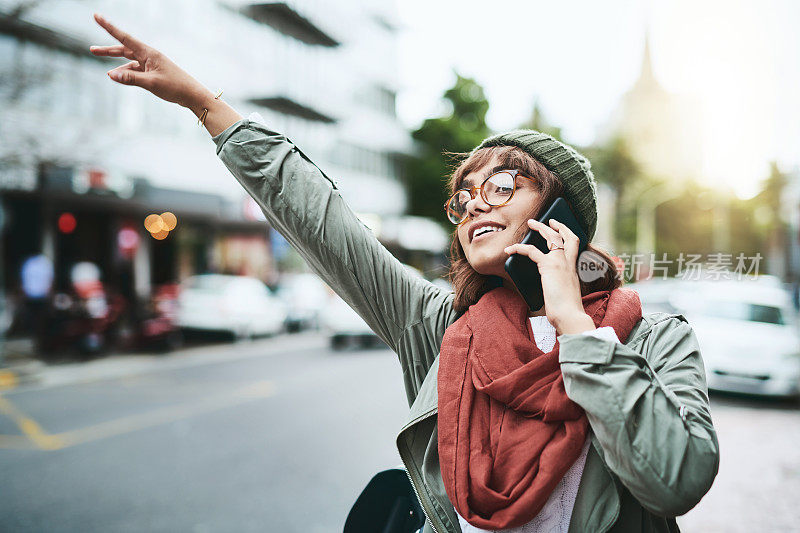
x: 79, y: 148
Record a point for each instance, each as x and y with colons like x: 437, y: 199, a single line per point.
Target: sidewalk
x: 24, y: 372
x: 20, y: 366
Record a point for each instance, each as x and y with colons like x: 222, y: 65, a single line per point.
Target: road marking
x: 128, y: 424
x: 29, y: 427
x: 8, y: 379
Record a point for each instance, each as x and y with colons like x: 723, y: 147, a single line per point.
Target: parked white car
x: 345, y: 327
x: 305, y: 295
x: 747, y: 331
x: 240, y: 305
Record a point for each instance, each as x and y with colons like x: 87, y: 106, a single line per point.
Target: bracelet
x: 202, y: 120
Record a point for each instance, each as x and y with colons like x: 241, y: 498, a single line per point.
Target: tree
x: 770, y: 219
x: 538, y: 122
x: 614, y: 165
x: 458, y: 132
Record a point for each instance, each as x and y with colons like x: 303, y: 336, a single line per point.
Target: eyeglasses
x: 496, y: 190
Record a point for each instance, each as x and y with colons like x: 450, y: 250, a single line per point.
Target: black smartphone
x: 523, y: 271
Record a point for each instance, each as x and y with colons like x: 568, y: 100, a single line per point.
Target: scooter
x: 77, y: 321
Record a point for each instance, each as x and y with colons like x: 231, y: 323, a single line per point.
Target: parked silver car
x: 747, y: 331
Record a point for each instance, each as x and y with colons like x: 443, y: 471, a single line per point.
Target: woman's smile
x: 483, y: 229
x: 485, y: 233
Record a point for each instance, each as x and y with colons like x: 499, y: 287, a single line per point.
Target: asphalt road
x: 281, y: 435
x: 274, y: 435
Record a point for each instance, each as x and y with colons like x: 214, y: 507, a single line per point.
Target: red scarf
x: 507, y: 430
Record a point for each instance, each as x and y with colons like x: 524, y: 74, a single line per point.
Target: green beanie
x: 570, y: 167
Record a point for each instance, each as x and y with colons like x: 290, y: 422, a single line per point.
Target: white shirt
x: 557, y: 511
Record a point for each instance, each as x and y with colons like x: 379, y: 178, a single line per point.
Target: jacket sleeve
x: 305, y: 206
x: 649, y: 412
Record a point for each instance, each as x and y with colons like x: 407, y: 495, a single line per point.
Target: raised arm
x: 153, y: 71
x: 305, y: 206
x: 302, y: 203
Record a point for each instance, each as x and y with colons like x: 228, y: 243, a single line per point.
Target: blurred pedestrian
x: 586, y: 416
x: 36, y: 276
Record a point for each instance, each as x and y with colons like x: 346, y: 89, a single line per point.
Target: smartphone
x: 523, y: 271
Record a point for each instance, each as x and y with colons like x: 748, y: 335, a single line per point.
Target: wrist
x: 198, y: 98
x: 578, y: 322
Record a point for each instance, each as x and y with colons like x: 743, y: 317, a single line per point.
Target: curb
x: 11, y: 378
x: 35, y: 374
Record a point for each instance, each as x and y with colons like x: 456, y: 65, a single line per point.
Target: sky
x: 739, y: 60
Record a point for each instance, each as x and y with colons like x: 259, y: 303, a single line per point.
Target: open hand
x: 560, y: 284
x: 149, y: 69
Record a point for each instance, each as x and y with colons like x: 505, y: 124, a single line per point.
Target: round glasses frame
x: 473, y: 192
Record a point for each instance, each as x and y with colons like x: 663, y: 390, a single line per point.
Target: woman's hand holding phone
x: 153, y: 71
x: 560, y: 284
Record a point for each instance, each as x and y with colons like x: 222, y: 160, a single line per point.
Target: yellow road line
x: 29, y: 427
x: 128, y: 424
x: 8, y: 380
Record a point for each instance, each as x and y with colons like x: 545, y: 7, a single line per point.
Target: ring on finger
x: 555, y: 246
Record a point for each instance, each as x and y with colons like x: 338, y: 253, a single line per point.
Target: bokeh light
x: 159, y: 226
x: 169, y: 220
x: 154, y: 223
x: 67, y: 223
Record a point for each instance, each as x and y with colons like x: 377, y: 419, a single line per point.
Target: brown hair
x: 467, y: 283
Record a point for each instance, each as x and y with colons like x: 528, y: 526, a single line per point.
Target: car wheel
x: 244, y: 333
x: 173, y: 341
x: 339, y: 342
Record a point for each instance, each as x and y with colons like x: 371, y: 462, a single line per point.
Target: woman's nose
x: 477, y: 205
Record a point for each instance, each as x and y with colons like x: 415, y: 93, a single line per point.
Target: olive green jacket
x: 654, y: 451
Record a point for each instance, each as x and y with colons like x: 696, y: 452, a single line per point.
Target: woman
x: 585, y: 417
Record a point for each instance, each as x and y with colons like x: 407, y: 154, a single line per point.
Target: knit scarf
x: 507, y: 430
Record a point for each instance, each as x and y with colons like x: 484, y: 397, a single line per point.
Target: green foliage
x: 772, y: 189
x: 614, y: 165
x: 538, y: 122
x: 768, y: 220
x: 458, y: 132
x: 685, y: 223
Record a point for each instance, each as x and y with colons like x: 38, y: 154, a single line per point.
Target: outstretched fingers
x: 135, y: 45
x: 116, y: 50
x: 129, y: 74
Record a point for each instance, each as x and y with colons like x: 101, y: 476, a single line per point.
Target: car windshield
x: 749, y: 312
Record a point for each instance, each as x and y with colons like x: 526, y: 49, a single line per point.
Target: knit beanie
x: 570, y: 167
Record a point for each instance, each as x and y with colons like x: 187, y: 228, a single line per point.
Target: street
x: 274, y: 435
x: 281, y: 434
